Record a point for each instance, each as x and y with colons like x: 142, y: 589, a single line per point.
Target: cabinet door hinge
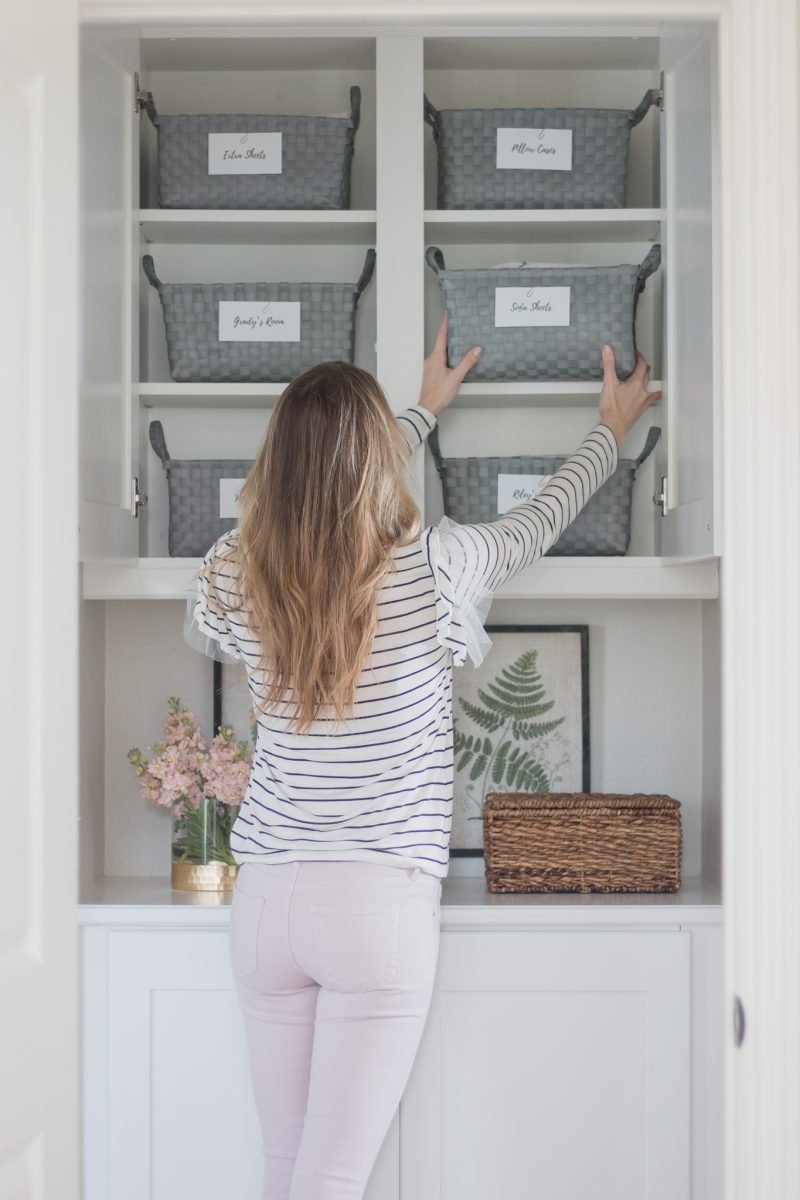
x: 660, y: 498
x: 140, y: 97
x: 660, y: 93
x: 137, y: 498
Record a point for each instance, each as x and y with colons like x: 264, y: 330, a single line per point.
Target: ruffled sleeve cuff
x: 202, y: 635
x: 461, y: 606
x: 205, y: 625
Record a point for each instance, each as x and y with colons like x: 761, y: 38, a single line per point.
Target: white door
x: 688, y: 164
x: 109, y: 165
x: 39, y: 1106
x: 553, y: 1065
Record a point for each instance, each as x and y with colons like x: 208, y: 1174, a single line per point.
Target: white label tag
x: 531, y: 306
x: 534, y: 149
x: 518, y: 489
x: 245, y: 153
x: 259, y: 320
x: 229, y: 490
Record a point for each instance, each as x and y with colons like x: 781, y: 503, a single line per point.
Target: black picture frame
x: 497, y: 633
x: 229, y: 679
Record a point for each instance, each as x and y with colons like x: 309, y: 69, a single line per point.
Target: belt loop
x: 414, y: 872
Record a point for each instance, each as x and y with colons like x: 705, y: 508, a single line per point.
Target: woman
x: 349, y: 618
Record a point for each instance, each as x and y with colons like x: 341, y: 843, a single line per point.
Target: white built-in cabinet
x: 574, y: 1043
x: 570, y: 1049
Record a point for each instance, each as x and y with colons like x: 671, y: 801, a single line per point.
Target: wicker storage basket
x: 314, y: 160
x: 470, y: 488
x: 193, y: 488
x: 592, y: 175
x: 581, y: 842
x: 197, y: 353
x: 601, y: 307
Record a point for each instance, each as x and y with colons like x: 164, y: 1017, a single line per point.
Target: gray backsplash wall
x: 650, y: 678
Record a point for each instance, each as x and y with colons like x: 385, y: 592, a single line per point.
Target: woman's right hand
x: 622, y: 401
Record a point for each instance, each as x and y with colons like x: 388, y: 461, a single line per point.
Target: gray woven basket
x: 316, y: 157
x: 603, y: 525
x: 193, y: 486
x: 197, y: 354
x: 602, y: 308
x: 467, y: 171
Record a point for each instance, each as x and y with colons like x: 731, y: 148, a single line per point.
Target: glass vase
x: 201, y: 855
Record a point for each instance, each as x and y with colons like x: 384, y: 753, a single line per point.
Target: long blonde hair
x: 323, y: 508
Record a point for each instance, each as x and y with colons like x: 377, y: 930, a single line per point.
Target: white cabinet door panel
x: 553, y: 1065
x: 181, y: 1118
x: 109, y: 411
x: 689, y: 241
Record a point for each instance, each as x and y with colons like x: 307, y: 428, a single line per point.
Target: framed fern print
x: 521, y: 722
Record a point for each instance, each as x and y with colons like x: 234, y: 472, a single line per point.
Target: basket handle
x: 149, y: 269
x: 434, y: 258
x: 433, y: 442
x: 355, y: 106
x: 647, y: 101
x: 653, y: 434
x: 148, y: 104
x: 650, y: 263
x: 158, y: 441
x: 431, y: 116
x: 366, y: 273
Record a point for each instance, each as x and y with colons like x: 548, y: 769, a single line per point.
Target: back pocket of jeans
x: 357, y: 947
x: 246, y: 912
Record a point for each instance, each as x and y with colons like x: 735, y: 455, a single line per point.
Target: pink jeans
x: 334, y: 963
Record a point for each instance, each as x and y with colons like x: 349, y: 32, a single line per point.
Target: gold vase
x: 203, y: 877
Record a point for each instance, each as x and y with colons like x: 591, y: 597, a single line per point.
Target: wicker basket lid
x: 552, y: 802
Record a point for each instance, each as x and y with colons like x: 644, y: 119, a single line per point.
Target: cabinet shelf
x: 306, y: 227
x: 209, y: 395
x: 580, y: 578
x: 466, y: 902
x: 524, y: 394
x: 481, y: 226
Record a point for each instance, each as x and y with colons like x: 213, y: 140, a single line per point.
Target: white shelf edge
x: 565, y: 225
x: 308, y: 226
x: 528, y: 391
x: 470, y: 395
x: 209, y: 395
x: 466, y: 902
x: 596, y: 578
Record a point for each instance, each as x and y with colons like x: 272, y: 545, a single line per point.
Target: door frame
x: 759, y: 423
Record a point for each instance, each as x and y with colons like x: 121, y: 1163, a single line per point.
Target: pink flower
x: 184, y: 770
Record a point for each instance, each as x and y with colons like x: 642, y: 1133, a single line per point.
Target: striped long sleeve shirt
x: 379, y: 787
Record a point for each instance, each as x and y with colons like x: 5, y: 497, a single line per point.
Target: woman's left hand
x: 440, y: 383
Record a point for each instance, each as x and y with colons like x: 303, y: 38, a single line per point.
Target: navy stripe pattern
x: 379, y: 787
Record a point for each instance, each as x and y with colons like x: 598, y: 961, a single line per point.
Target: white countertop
x: 134, y: 901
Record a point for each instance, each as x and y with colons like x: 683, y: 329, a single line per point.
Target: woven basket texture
x: 327, y: 326
x: 469, y: 487
x: 196, y: 354
x: 603, y: 302
x: 317, y: 154
x: 582, y: 842
x: 603, y: 525
x: 193, y: 488
x: 467, y: 172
